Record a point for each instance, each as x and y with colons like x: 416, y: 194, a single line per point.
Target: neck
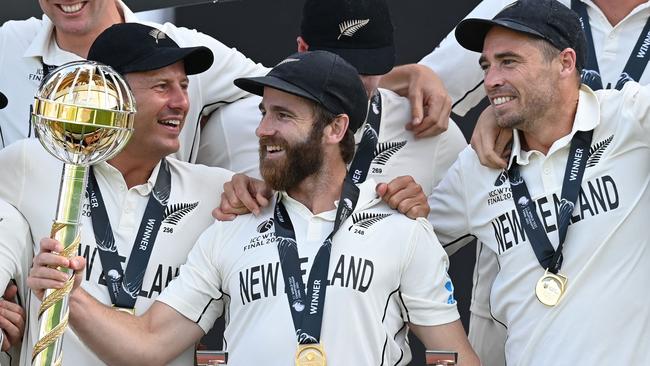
x: 135, y: 171
x: 79, y: 44
x: 543, y: 132
x: 319, y: 191
x: 617, y: 10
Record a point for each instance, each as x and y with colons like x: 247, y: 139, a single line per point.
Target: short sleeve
x: 196, y: 292
x: 426, y: 291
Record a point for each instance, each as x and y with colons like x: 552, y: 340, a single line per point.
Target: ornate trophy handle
x: 83, y: 113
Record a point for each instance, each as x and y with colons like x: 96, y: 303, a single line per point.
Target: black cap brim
x: 256, y: 86
x: 195, y: 59
x: 470, y: 33
x: 367, y: 61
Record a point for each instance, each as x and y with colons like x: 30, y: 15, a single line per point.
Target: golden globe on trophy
x: 83, y: 114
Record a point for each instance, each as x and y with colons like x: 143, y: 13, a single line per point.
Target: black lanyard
x: 548, y: 257
x: 635, y: 65
x: 366, y: 150
x: 124, y: 286
x: 307, y: 310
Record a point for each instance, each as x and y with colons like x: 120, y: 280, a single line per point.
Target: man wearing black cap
x: 140, y: 186
x: 361, y: 32
x: 563, y: 218
x: 313, y: 277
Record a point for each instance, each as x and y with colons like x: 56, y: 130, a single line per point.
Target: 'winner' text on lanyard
x: 307, y: 306
x: 124, y: 286
x: 635, y: 65
x: 548, y: 257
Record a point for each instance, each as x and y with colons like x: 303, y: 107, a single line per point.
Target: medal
x: 550, y: 288
x: 310, y: 355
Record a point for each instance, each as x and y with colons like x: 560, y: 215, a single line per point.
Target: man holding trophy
x: 128, y: 193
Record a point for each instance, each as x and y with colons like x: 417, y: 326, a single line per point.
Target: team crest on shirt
x: 174, y: 213
x: 362, y: 221
x: 596, y: 151
x: 385, y: 150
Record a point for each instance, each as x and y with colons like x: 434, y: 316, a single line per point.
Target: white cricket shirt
x: 375, y: 285
x: 27, y: 44
x: 603, y: 317
x: 31, y: 182
x: 15, y: 262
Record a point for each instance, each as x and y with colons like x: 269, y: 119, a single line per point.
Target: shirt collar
x: 44, y: 44
x: 586, y: 119
x: 367, y: 197
x: 112, y: 175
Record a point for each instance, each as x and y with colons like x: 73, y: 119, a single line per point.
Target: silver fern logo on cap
x: 157, y: 35
x: 350, y: 27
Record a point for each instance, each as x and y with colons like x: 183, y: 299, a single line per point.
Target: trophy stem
x: 53, y: 312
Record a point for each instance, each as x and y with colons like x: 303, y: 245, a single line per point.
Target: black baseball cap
x: 319, y: 76
x: 360, y: 31
x: 134, y: 47
x: 546, y: 19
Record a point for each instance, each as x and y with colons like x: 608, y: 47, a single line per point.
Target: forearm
x: 399, y: 78
x: 447, y: 337
x: 116, y: 337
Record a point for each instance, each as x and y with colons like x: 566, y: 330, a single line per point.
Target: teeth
x: 171, y: 122
x: 273, y: 148
x: 501, y: 100
x: 72, y: 8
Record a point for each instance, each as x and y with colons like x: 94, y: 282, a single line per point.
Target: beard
x: 300, y: 160
x: 539, y: 100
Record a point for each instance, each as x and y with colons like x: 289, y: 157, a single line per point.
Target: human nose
x: 179, y: 99
x: 493, y: 78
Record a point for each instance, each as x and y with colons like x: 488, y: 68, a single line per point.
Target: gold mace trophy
x: 83, y: 114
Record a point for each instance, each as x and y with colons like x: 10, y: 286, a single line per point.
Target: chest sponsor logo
x: 364, y: 220
x: 266, y: 235
x: 259, y: 282
x: 164, y: 273
x: 596, y: 197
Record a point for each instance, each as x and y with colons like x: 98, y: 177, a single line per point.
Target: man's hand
x: 491, y: 142
x: 44, y: 274
x: 430, y: 102
x: 406, y: 196
x: 240, y: 196
x: 12, y: 318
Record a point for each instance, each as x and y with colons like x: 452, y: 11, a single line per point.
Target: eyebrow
x: 275, y: 108
x: 499, y: 56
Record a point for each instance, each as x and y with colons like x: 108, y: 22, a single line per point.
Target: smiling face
x: 521, y: 77
x: 80, y: 17
x: 162, y: 104
x: 290, y: 143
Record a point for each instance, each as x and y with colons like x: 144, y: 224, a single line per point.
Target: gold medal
x: 550, y: 288
x: 310, y: 355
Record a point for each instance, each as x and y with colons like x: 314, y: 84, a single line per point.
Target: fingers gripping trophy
x: 83, y: 114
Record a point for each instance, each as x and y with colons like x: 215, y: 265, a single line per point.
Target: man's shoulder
x: 206, y: 174
x: 24, y: 29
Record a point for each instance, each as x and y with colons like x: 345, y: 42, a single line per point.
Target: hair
x: 549, y: 52
x: 322, y: 118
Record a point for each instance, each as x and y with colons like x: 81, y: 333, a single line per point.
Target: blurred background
x: 266, y: 31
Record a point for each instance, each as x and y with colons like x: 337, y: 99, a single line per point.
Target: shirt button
x: 547, y: 171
